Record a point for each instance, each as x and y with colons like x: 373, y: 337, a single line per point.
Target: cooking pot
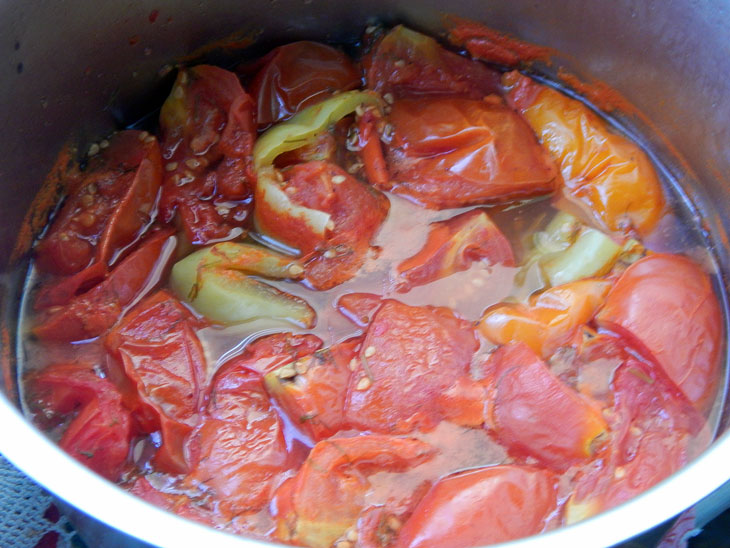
x: 86, y: 68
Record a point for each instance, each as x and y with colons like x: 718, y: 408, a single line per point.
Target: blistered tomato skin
x: 606, y: 177
x: 297, y: 75
x: 458, y: 152
x: 109, y: 206
x: 101, y: 430
x: 92, y: 313
x: 408, y: 64
x: 660, y: 296
x: 160, y: 357
x: 399, y: 375
x: 482, y: 506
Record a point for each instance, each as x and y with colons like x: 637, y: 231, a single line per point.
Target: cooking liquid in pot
x: 568, y: 403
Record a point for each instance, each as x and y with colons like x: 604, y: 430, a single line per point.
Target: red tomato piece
x: 406, y: 63
x: 452, y: 246
x: 549, y: 320
x: 324, y: 499
x: 268, y: 353
x: 179, y: 504
x: 160, y: 356
x: 371, y: 151
x: 607, y: 179
x: 314, y: 398
x: 482, y: 506
x: 109, y: 207
x: 92, y: 313
x: 654, y: 430
x: 356, y: 212
x: 659, y: 297
x: 399, y: 375
x: 359, y: 308
x: 297, y: 75
x: 208, y: 131
x: 100, y: 433
x: 534, y: 414
x: 238, y: 449
x: 458, y: 152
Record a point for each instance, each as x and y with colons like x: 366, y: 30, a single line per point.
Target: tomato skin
x: 314, y: 400
x: 409, y: 64
x: 662, y: 295
x: 238, y: 448
x: 208, y: 130
x: 92, y: 313
x: 297, y: 75
x: 108, y: 208
x: 326, y: 496
x: 405, y: 373
x: 356, y: 211
x: 452, y: 246
x: 359, y: 308
x: 608, y: 179
x: 458, y: 152
x: 534, y: 414
x: 100, y: 433
x: 549, y: 320
x: 157, y: 354
x: 654, y: 429
x: 482, y: 506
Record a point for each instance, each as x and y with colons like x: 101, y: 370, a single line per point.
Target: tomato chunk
x: 453, y: 245
x: 160, y: 356
x: 458, y: 152
x: 482, y: 506
x: 208, y: 131
x: 659, y: 297
x: 92, y: 313
x: 549, y: 320
x: 399, y: 374
x: 354, y: 212
x: 654, y: 430
x: 100, y: 433
x: 359, y: 308
x: 406, y: 63
x: 607, y: 178
x: 110, y: 205
x: 297, y: 75
x: 238, y: 449
x: 535, y: 414
x: 312, y: 390
x: 324, y: 499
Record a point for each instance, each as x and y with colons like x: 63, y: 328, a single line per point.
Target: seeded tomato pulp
x: 391, y: 296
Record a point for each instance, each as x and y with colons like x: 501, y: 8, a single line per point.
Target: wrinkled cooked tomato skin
x: 109, y: 207
x: 608, y: 178
x: 404, y: 371
x: 482, y: 506
x: 458, y: 152
x: 660, y: 296
x: 298, y: 75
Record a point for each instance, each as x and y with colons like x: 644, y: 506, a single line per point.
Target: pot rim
x: 30, y: 450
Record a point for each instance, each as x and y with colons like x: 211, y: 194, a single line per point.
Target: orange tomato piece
x: 607, y: 178
x: 549, y: 320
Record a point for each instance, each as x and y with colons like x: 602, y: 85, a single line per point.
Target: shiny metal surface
x: 82, y: 66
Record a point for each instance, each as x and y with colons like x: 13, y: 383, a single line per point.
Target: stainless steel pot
x: 82, y: 67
